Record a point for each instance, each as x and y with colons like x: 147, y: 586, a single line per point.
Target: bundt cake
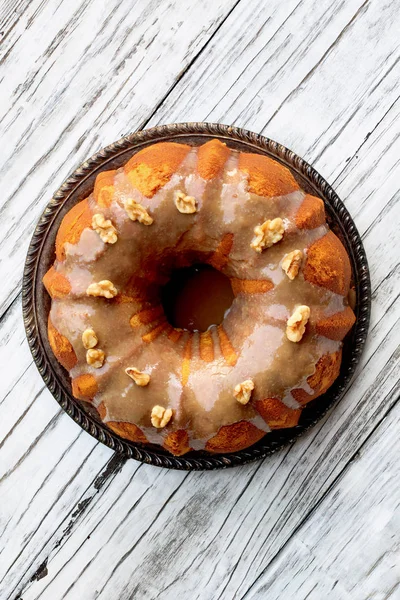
x: 279, y: 346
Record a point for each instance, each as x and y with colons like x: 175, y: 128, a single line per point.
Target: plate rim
x: 266, y: 146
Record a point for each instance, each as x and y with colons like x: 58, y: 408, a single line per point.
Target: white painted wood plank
x: 270, y: 52
x: 75, y: 76
x: 353, y: 551
x: 219, y: 531
x: 46, y: 464
x: 13, y: 343
x: 293, y: 81
x: 10, y: 15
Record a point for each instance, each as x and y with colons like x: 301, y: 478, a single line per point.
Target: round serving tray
x: 36, y: 302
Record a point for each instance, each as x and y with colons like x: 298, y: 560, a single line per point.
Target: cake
x: 279, y: 346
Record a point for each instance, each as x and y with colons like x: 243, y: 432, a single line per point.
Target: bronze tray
x: 36, y: 302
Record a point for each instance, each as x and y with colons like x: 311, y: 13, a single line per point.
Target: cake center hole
x: 197, y: 297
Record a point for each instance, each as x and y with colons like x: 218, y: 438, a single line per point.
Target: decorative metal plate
x: 36, y: 302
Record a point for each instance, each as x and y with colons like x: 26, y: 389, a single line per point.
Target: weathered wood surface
x: 318, y: 519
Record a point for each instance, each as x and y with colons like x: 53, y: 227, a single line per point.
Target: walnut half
x: 103, y: 288
x: 137, y: 212
x: 291, y: 263
x: 296, y: 323
x: 267, y: 234
x: 89, y: 339
x: 95, y: 358
x: 104, y: 228
x: 243, y: 391
x: 140, y: 378
x: 185, y: 204
x: 160, y: 416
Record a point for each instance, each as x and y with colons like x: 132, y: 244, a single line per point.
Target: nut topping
x: 104, y: 228
x: 267, y: 234
x: 296, y: 324
x: 137, y: 212
x: 104, y: 288
x: 160, y: 417
x: 95, y: 358
x: 243, y: 391
x: 291, y: 263
x: 140, y: 378
x: 185, y: 204
x: 89, y: 339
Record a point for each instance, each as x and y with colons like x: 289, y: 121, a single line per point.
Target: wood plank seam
x: 331, y: 486
x: 319, y: 62
x: 51, y: 507
x: 187, y: 68
x: 127, y: 554
x: 117, y: 528
x: 100, y: 483
x: 248, y: 65
x: 349, y: 159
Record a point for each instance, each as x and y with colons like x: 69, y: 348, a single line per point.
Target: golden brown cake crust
x: 276, y: 414
x: 104, y: 188
x: 326, y: 371
x: 101, y: 409
x: 212, y: 157
x: 227, y: 349
x: 56, y: 284
x: 61, y: 347
x: 221, y: 255
x: 251, y: 286
x: 84, y: 387
x: 328, y: 265
x: 311, y: 213
x: 151, y: 168
x: 267, y: 177
x: 129, y: 431
x: 235, y: 437
x: 336, y: 326
x: 72, y: 225
x: 177, y: 442
x: 206, y: 346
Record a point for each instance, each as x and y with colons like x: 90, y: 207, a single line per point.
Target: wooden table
x: 321, y: 518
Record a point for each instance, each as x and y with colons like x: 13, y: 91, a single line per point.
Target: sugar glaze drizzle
x: 255, y: 325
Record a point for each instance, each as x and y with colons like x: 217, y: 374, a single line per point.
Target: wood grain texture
x: 318, y: 518
x: 365, y: 549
